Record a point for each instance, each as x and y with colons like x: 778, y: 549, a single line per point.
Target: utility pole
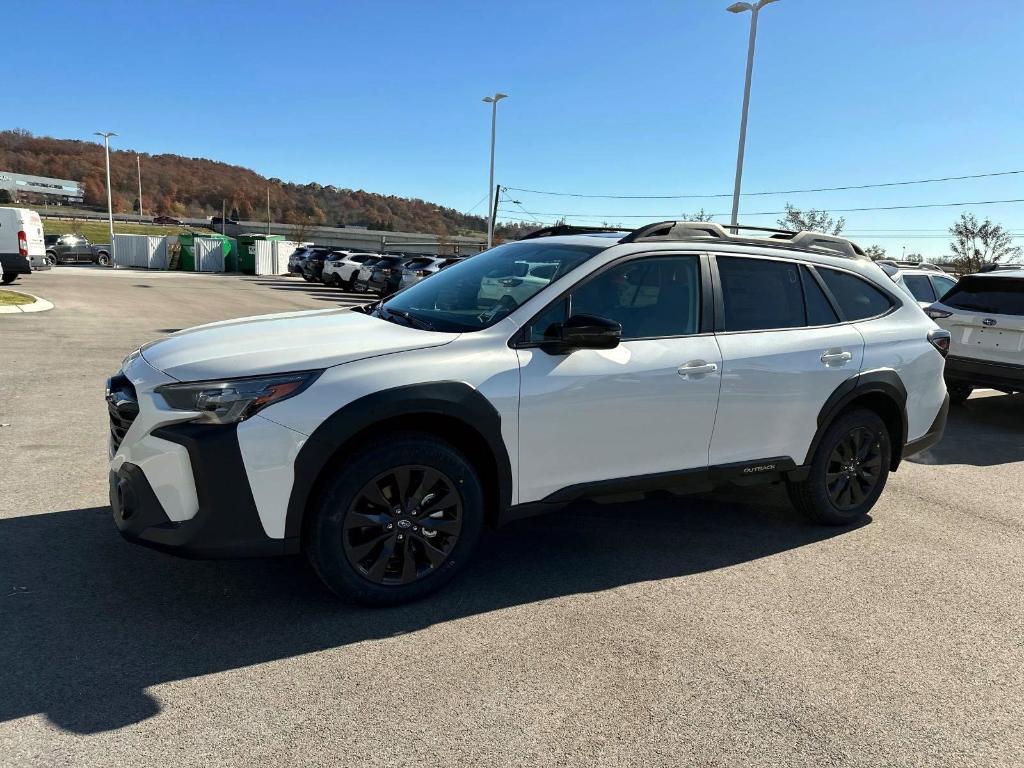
x: 223, y: 218
x: 494, y: 216
x: 110, y: 205
x: 268, y: 209
x: 138, y: 164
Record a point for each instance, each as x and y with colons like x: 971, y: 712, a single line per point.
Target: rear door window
x: 856, y: 297
x: 760, y: 294
x: 991, y: 295
x: 920, y: 287
x: 819, y: 309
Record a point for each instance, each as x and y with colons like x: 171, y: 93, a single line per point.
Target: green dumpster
x: 187, y: 260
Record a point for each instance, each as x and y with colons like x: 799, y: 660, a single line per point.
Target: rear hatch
x: 33, y: 228
x: 988, y: 318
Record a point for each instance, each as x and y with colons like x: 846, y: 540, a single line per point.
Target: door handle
x: 830, y: 357
x: 696, y: 368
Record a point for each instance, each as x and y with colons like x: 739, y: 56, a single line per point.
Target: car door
x: 617, y: 418
x: 784, y: 352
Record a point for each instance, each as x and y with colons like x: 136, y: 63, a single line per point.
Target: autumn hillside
x: 193, y: 186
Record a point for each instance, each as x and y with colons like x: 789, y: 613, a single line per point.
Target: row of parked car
x: 364, y: 272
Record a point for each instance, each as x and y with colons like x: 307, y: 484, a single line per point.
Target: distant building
x: 30, y: 189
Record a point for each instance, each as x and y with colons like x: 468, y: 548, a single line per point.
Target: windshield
x: 994, y: 295
x: 479, y: 291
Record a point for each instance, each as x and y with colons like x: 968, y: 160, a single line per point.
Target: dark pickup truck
x: 75, y: 249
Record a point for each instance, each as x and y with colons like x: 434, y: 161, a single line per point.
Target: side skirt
x: 683, y: 482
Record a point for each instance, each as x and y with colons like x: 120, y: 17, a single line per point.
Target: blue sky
x: 630, y: 98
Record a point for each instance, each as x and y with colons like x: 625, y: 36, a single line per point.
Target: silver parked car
x: 421, y: 268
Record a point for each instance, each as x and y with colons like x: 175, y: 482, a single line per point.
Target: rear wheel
x: 8, y: 277
x: 397, y: 522
x: 848, y: 472
x: 958, y: 393
x: 103, y: 260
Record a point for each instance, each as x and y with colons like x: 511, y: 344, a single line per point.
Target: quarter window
x: 760, y: 294
x: 943, y: 285
x: 857, y: 298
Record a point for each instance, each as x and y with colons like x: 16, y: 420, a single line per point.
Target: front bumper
x: 979, y: 373
x: 227, y: 523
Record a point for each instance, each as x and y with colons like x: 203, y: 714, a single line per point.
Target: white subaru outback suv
x: 380, y: 441
x: 985, y: 315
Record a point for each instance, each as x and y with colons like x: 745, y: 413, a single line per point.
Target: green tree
x: 700, y: 215
x: 976, y: 244
x: 811, y: 220
x: 875, y: 252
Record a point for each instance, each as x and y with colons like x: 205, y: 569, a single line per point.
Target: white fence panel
x: 209, y: 254
x: 141, y: 251
x: 282, y: 250
x: 265, y: 264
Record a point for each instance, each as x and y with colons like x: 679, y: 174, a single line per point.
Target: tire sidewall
x: 326, y: 529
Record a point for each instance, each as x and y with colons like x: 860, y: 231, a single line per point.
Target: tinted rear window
x: 994, y: 295
x: 857, y: 298
x: 920, y: 287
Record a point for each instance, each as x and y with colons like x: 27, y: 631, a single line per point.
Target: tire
x: 836, y: 502
x: 354, y: 561
x: 958, y: 393
x: 103, y: 260
x: 8, y: 277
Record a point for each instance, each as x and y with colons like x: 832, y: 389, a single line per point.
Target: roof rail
x: 694, y: 230
x: 996, y: 267
x: 912, y: 264
x: 571, y: 229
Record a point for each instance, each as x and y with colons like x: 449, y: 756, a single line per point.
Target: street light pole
x: 110, y: 204
x: 754, y: 9
x: 492, y: 213
x: 138, y: 165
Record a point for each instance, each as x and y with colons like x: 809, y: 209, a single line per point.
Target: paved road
x: 709, y: 631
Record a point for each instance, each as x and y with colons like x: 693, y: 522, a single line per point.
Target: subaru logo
x: 988, y: 321
x: 404, y: 523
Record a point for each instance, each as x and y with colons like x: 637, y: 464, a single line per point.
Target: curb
x: 39, y: 305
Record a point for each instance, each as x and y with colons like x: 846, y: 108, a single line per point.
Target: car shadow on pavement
x: 983, y: 432
x: 90, y: 621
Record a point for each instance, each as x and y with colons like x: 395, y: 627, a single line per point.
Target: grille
x: 122, y: 407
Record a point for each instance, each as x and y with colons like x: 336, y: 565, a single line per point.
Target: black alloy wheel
x: 402, y: 525
x: 854, y: 468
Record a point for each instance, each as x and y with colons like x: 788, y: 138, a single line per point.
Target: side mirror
x: 582, y: 332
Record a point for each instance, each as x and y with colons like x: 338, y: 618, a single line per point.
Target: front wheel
x: 397, y: 521
x: 848, y: 471
x: 8, y: 278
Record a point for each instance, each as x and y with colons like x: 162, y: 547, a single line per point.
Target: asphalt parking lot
x: 713, y: 630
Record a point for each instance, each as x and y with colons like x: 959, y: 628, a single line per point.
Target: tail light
x: 22, y: 244
x: 939, y: 339
x: 937, y: 314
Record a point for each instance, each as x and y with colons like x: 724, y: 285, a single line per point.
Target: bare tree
x: 700, y: 215
x: 811, y: 220
x: 976, y: 244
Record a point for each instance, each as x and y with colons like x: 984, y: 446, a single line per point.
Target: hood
x: 290, y: 341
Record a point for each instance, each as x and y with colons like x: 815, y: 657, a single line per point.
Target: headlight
x: 233, y: 400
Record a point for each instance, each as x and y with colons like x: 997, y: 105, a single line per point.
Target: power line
x: 771, y: 213
x: 779, y: 192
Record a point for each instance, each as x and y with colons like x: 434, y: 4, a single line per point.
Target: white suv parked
x: 379, y: 442
x: 341, y: 267
x: 985, y: 315
x: 925, y: 282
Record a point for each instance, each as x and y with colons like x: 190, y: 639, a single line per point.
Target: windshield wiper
x: 410, y: 319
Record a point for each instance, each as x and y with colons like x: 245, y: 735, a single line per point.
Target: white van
x: 21, y: 243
